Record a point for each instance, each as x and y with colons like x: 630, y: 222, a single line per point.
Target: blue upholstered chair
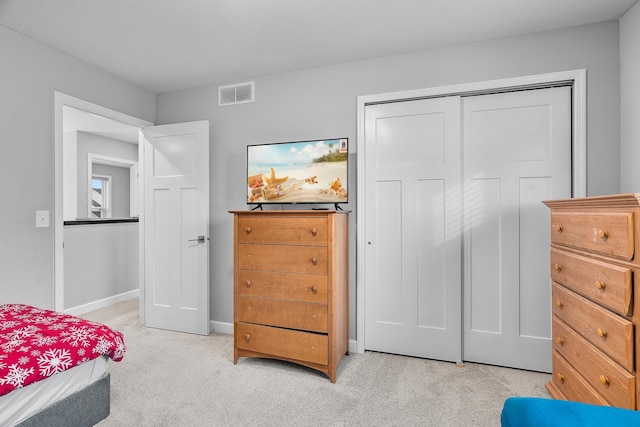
x: 539, y: 412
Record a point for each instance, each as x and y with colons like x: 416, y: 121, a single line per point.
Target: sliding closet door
x: 517, y: 152
x: 413, y: 231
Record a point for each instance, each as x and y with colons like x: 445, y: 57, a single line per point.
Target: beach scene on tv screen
x: 298, y: 172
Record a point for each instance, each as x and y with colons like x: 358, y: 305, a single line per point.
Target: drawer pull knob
x: 600, y: 285
x: 557, y: 267
x: 603, y: 234
x: 314, y: 231
x: 560, y: 340
x: 557, y: 228
x: 604, y: 380
x: 247, y: 230
x: 560, y: 377
x: 559, y: 303
x: 314, y: 290
x: 247, y: 337
x: 314, y: 261
x: 247, y: 283
x: 602, y: 333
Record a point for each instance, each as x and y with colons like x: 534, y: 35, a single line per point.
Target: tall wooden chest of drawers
x: 595, y: 258
x: 291, y: 271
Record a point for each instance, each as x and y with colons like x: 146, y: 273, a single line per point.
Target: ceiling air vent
x: 238, y: 93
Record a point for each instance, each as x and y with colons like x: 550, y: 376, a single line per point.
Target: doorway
x: 369, y: 225
x: 99, y: 115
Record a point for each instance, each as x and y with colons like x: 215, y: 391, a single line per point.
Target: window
x: 100, y: 202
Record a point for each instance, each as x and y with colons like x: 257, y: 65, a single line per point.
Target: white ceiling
x: 165, y: 45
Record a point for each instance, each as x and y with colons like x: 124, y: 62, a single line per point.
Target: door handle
x: 200, y: 239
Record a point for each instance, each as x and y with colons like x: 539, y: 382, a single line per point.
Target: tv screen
x: 298, y: 172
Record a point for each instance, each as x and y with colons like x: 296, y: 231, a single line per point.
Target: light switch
x: 42, y: 218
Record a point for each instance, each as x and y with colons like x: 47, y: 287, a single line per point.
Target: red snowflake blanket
x: 36, y: 343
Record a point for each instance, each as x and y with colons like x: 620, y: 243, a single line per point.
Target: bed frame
x: 84, y: 408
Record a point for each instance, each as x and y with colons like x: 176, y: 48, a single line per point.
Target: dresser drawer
x: 284, y: 259
x: 607, y: 284
x: 611, y: 333
x: 608, y: 233
x: 286, y: 343
x: 572, y: 385
x: 287, y: 314
x: 287, y: 286
x: 608, y: 378
x: 283, y: 230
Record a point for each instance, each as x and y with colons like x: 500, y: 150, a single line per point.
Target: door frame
x: 578, y: 149
x: 60, y: 101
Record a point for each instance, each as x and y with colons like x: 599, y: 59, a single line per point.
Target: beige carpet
x: 174, y: 379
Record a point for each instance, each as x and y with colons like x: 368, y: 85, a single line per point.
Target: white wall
x: 321, y: 102
x: 30, y: 74
x: 101, y: 261
x: 630, y: 100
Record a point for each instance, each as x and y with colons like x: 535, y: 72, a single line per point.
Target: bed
x: 53, y: 367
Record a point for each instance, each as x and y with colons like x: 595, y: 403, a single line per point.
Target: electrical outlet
x: 42, y: 218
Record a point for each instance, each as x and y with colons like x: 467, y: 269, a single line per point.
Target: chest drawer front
x: 606, y: 233
x: 608, y: 284
x: 305, y: 346
x: 287, y: 314
x: 572, y: 385
x: 285, y: 259
x: 287, y: 286
x: 609, y: 332
x: 283, y: 230
x: 605, y: 376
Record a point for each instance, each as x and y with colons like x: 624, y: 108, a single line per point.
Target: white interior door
x: 517, y: 152
x: 413, y: 229
x: 176, y: 227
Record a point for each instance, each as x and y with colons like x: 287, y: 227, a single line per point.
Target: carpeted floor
x: 173, y: 379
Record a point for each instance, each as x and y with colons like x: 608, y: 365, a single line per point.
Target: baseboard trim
x: 227, y: 328
x: 221, y: 327
x: 105, y: 302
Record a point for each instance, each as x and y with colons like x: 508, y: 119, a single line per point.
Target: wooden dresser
x: 291, y: 287
x: 595, y: 257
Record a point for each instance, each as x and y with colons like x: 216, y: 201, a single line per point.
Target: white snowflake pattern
x: 79, y: 336
x: 53, y: 361
x: 25, y: 332
x: 16, y: 376
x: 8, y: 324
x: 44, y: 320
x: 35, y: 352
x: 102, y: 347
x: 23, y: 360
x: 120, y: 350
x: 12, y: 344
x: 16, y: 308
x: 43, y: 340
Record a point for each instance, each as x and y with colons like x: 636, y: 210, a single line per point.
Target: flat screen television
x: 313, y: 171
